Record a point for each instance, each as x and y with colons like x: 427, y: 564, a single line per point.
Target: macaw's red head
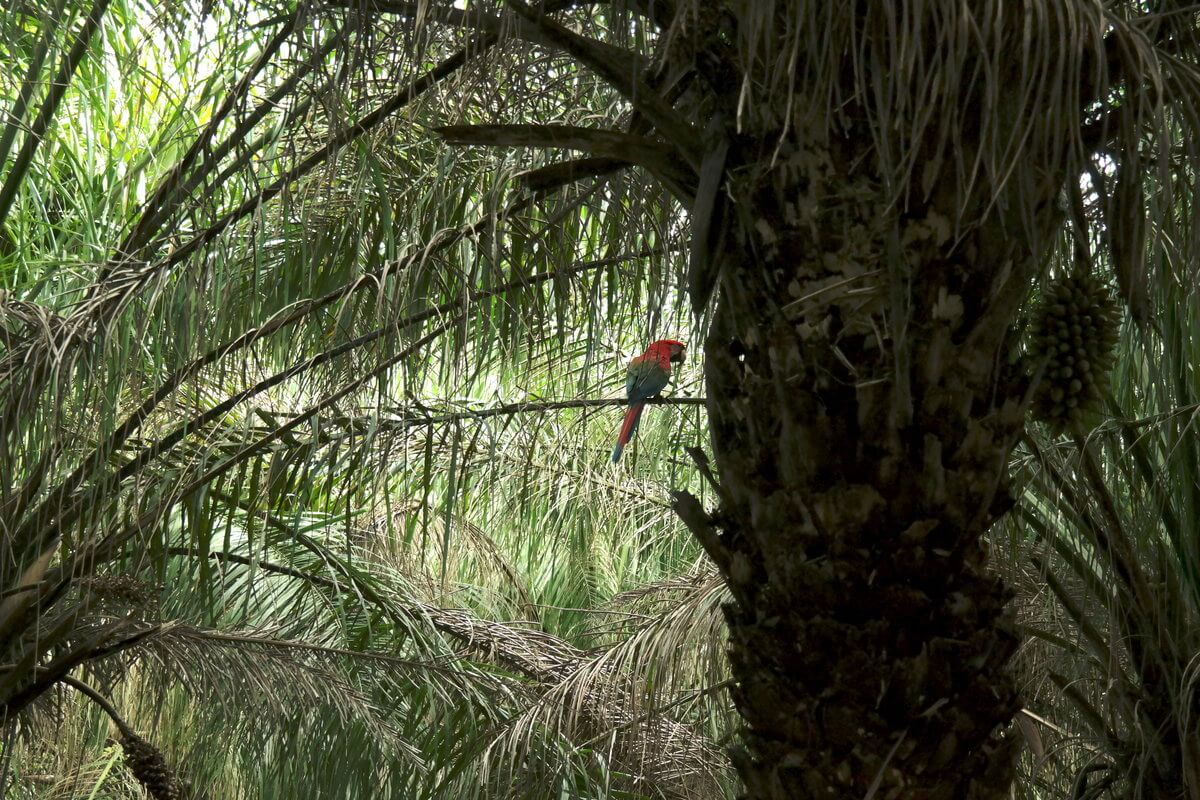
x: 671, y: 348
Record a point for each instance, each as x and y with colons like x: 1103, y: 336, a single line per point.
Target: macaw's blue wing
x: 645, y: 379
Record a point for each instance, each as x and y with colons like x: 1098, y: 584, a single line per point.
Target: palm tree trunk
x: 862, y: 412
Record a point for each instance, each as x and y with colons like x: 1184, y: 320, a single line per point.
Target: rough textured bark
x: 863, y: 408
x: 859, y: 467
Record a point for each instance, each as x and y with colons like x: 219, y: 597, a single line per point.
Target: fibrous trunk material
x: 863, y: 405
x: 880, y: 190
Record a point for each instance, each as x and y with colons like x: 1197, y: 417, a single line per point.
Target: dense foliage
x: 305, y: 416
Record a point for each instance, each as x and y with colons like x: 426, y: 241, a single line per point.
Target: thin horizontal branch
x: 401, y: 420
x: 536, y: 407
x: 600, y: 141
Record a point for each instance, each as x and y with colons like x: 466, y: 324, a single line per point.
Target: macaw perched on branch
x: 646, y: 376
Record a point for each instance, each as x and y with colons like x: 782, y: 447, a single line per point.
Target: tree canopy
x: 313, y: 328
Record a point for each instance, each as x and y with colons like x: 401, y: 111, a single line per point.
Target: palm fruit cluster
x: 150, y: 768
x: 118, y: 588
x: 1073, y: 334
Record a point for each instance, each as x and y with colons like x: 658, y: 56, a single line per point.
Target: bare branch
x: 659, y: 158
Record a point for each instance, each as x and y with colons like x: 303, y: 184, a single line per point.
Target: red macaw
x: 646, y: 376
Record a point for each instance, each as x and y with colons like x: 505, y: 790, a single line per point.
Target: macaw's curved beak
x: 677, y: 356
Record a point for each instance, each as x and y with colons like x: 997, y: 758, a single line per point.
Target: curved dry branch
x: 657, y: 157
x: 552, y: 176
x: 102, y: 701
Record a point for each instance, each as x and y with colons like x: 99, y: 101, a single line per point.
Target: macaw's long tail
x: 627, y: 429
